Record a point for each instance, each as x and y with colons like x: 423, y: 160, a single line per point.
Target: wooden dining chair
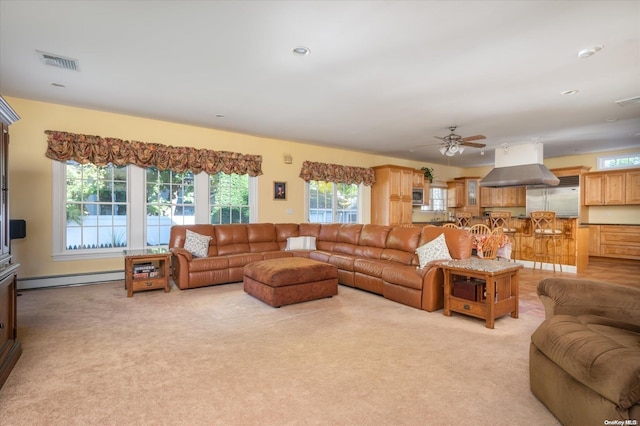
x: 502, y: 219
x: 450, y: 225
x: 463, y: 219
x: 479, y: 229
x: 491, y: 244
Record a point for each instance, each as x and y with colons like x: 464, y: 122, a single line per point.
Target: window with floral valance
x: 336, y: 173
x: 64, y: 146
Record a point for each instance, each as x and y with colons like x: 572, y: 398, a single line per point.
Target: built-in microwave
x: 418, y: 196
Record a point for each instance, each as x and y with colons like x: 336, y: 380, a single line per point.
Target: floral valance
x: 337, y: 173
x: 63, y: 146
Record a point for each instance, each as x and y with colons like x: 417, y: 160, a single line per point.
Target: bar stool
x: 463, y: 219
x: 546, y: 234
x: 502, y: 219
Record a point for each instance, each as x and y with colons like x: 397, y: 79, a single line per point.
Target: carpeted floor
x: 92, y: 356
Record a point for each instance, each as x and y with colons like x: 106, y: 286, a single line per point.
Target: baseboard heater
x: 68, y: 279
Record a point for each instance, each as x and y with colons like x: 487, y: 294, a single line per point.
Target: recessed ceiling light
x: 301, y: 51
x: 590, y: 51
x: 569, y: 92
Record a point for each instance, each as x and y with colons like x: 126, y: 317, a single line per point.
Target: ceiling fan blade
x: 473, y: 138
x: 438, y: 137
x: 473, y: 144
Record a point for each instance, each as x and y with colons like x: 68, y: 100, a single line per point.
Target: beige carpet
x: 92, y: 356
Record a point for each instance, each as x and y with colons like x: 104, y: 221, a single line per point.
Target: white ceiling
x: 382, y: 77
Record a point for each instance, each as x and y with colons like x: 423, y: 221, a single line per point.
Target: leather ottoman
x: 279, y: 282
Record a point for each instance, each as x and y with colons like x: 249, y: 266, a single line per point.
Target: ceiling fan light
x: 454, y: 148
x: 450, y: 153
x: 443, y: 149
x: 461, y: 150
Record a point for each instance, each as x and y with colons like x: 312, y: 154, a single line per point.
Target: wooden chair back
x: 544, y: 224
x: 450, y: 225
x: 479, y: 229
x: 500, y: 220
x: 492, y: 243
x: 463, y: 219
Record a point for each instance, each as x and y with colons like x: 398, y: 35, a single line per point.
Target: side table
x: 501, y: 289
x: 146, y: 269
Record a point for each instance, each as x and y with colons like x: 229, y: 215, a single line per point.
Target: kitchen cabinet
x: 594, y: 240
x: 632, y: 184
x: 391, y: 195
x: 612, y: 188
x: 464, y: 193
x: 455, y: 194
x: 503, y: 197
x: 418, y: 179
x: 620, y: 241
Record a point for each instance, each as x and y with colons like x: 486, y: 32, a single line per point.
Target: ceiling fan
x: 456, y: 144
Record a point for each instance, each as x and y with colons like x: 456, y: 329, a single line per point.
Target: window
x: 619, y: 161
x: 96, y: 207
x: 437, y: 199
x: 170, y: 201
x: 99, y: 211
x: 229, y: 198
x: 332, y: 202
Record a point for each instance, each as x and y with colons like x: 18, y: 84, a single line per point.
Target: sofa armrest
x: 179, y: 251
x: 570, y: 296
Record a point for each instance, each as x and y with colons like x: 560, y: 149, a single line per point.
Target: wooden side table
x: 146, y: 269
x: 501, y: 289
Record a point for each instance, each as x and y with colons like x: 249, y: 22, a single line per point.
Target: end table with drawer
x: 147, y: 269
x: 483, y: 288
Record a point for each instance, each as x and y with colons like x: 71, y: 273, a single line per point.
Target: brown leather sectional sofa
x: 375, y: 258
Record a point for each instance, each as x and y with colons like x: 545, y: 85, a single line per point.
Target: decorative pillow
x: 197, y: 244
x: 435, y: 249
x: 301, y: 243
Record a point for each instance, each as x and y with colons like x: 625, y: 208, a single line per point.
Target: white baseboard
x: 65, y: 280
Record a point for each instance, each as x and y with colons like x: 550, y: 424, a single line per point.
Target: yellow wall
x: 30, y: 172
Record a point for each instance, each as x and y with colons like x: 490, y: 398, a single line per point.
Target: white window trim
x: 364, y: 203
x: 136, y: 211
x: 604, y: 158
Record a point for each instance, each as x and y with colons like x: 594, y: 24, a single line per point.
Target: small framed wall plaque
x: 279, y: 190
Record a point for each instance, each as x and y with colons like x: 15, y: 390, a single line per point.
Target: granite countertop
x: 612, y: 224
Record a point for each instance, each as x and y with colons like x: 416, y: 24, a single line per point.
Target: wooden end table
x: 501, y: 288
x: 146, y: 269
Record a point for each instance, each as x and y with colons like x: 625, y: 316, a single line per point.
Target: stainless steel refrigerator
x: 565, y: 201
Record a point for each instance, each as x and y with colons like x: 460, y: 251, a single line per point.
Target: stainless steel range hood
x: 523, y: 175
x: 519, y: 165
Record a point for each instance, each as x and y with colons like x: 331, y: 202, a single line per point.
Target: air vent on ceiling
x: 58, y: 61
x: 625, y: 102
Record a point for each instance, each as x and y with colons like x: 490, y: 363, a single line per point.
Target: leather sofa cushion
x: 374, y: 235
x: 601, y: 353
x: 289, y: 271
x: 232, y: 239
x: 208, y: 263
x: 403, y: 239
x: 371, y: 267
x: 404, y: 276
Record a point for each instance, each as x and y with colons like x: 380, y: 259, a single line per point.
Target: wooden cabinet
x: 503, y: 197
x: 418, y: 179
x: 464, y: 193
x: 612, y: 188
x: 514, y: 196
x: 455, y: 194
x: 632, y: 183
x: 10, y: 348
x: 594, y: 240
x: 620, y: 241
x: 391, y: 195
